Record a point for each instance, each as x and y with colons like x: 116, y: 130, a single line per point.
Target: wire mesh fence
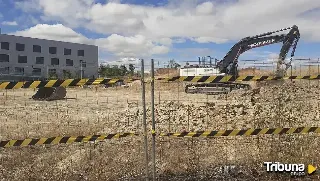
x: 88, y: 111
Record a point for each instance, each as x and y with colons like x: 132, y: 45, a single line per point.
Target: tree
x: 131, y: 69
x: 123, y: 70
x: 115, y: 70
x: 67, y: 74
x: 52, y: 75
x: 102, y: 69
x: 172, y: 64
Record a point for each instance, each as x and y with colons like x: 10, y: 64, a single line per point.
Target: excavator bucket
x: 50, y: 93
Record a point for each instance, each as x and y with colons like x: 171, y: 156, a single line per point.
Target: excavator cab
x: 50, y: 93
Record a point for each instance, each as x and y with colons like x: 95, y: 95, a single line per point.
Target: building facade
x: 39, y: 58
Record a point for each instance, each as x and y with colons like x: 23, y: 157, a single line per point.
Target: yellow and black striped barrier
x: 131, y: 80
x: 246, y: 132
x: 62, y: 140
x: 56, y: 83
x: 218, y: 133
x: 229, y: 78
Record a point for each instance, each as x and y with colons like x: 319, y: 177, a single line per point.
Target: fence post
x: 144, y: 119
x: 153, y: 123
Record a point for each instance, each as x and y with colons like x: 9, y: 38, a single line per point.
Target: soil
x: 111, y: 110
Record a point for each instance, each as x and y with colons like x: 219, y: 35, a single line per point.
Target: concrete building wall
x: 90, y: 67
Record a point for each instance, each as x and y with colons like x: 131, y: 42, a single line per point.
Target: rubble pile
x: 263, y: 107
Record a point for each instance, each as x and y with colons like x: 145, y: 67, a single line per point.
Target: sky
x: 183, y: 30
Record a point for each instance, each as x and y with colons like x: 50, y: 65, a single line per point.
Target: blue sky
x: 169, y: 29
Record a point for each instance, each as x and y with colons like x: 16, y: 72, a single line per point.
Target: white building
x: 24, y: 57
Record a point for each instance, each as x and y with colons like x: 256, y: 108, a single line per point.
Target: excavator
x: 229, y: 64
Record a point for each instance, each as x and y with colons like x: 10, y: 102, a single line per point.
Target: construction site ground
x: 110, y: 110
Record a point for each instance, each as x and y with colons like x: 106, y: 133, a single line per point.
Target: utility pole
x: 144, y: 119
x: 153, y: 123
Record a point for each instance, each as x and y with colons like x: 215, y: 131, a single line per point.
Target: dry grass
x: 119, y: 110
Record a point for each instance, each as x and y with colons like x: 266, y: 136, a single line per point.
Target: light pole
x: 80, y: 69
x: 47, y: 71
x: 210, y: 60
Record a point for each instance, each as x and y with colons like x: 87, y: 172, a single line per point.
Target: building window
x: 22, y: 59
x: 83, y: 63
x: 20, y: 47
x: 19, y: 70
x: 37, y: 48
x: 4, y: 70
x: 36, y: 71
x: 81, y: 53
x: 69, y: 62
x: 67, y: 51
x: 39, y: 60
x: 4, y: 58
x: 54, y: 61
x: 53, y: 50
x: 5, y: 45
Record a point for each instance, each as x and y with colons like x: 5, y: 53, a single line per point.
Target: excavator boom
x: 229, y: 63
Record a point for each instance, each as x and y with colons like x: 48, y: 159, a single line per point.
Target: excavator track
x: 214, y: 88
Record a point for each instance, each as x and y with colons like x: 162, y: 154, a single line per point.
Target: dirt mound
x: 50, y: 93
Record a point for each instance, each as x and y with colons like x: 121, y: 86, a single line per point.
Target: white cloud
x: 141, y: 30
x: 54, y: 32
x: 165, y: 41
x: 9, y: 23
x: 179, y: 40
x: 210, y: 21
x: 121, y: 46
x: 205, y: 8
x: 123, y: 61
x: 191, y: 54
x: 71, y: 12
x: 134, y: 46
x: 209, y: 40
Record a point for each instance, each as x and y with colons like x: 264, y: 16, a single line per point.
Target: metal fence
x: 169, y: 109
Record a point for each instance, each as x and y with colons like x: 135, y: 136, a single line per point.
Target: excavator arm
x: 228, y: 64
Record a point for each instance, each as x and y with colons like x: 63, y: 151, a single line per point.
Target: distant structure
x: 24, y: 58
x: 201, y: 69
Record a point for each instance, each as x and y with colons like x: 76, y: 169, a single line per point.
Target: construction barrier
x: 131, y: 80
x: 229, y: 78
x: 56, y: 83
x: 246, y: 132
x: 219, y: 133
x: 61, y: 140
